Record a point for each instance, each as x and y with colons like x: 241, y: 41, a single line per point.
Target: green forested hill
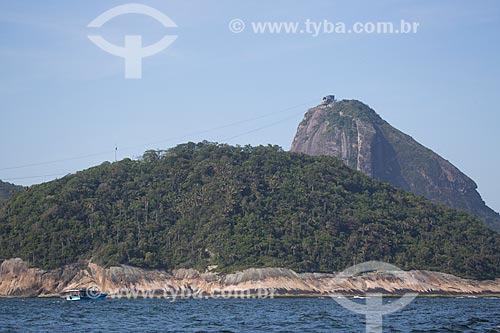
x: 7, y: 190
x: 207, y: 204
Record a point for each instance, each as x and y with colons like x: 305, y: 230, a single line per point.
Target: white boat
x: 84, y: 295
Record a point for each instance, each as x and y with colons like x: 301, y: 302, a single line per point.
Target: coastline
x: 316, y: 296
x: 17, y: 280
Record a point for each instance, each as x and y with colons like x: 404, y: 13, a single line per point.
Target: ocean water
x: 241, y: 315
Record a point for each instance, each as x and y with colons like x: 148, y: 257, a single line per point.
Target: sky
x: 65, y: 103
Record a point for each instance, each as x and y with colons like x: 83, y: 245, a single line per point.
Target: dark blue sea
x: 241, y: 315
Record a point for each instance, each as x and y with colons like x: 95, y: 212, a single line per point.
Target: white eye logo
x: 132, y: 51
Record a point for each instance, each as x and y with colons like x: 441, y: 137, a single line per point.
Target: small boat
x: 84, y: 295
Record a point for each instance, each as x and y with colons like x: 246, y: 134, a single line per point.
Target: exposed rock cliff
x: 353, y: 132
x: 17, y: 280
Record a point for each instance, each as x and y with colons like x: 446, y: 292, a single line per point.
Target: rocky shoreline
x: 17, y: 279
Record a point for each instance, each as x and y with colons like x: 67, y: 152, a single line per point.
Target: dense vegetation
x: 7, y: 190
x: 207, y: 204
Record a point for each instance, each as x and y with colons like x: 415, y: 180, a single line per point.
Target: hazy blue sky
x: 63, y: 97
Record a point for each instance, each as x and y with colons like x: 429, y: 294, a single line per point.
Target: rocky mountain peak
x: 356, y: 134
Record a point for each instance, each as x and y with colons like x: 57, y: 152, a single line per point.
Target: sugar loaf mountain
x: 210, y: 216
x: 356, y: 134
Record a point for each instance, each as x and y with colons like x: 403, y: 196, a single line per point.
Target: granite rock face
x: 19, y: 280
x: 353, y: 132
